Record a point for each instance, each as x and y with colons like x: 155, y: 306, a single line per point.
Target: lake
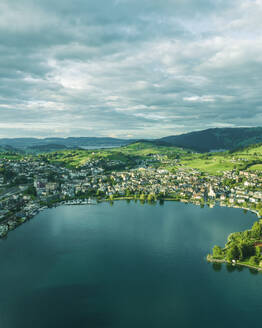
x: 126, y: 265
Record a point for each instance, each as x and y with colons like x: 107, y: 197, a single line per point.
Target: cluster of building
x: 27, y: 186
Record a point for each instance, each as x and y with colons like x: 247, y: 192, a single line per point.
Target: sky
x: 129, y: 68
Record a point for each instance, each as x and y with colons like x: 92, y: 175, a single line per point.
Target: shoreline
x: 12, y: 223
x: 210, y: 259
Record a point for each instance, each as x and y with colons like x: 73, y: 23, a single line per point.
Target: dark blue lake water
x: 126, y: 266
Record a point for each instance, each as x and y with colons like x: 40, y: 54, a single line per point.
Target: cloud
x: 122, y: 67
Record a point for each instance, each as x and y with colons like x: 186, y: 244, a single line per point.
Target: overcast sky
x: 129, y: 68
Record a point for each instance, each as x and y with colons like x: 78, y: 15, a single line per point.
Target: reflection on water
x: 126, y: 265
x: 217, y: 266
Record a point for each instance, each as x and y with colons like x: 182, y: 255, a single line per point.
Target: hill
x: 246, y: 158
x: 168, y: 157
x: 216, y: 139
x: 129, y: 155
x: 46, y: 148
x: 61, y: 143
x: 200, y: 141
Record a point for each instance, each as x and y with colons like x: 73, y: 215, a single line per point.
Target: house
x: 211, y: 192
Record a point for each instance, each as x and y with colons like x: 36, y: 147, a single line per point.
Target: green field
x: 216, y: 163
x: 167, y: 157
x: 212, y: 165
x: 8, y: 156
x: 256, y: 167
x: 126, y: 154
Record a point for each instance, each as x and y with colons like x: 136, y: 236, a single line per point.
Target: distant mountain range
x: 216, y: 139
x: 202, y: 141
x: 52, y: 144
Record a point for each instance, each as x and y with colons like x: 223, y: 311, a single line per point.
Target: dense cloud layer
x: 128, y: 68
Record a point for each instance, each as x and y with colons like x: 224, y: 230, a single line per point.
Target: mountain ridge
x: 201, y: 141
x: 216, y: 139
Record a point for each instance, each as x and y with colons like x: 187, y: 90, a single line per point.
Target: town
x: 29, y: 185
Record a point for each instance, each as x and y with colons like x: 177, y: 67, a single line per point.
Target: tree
x: 53, y: 177
x: 246, y: 234
x: 232, y: 253
x: 8, y: 175
x: 142, y: 197
x: 217, y: 251
x: 253, y: 260
x: 31, y: 191
x: 257, y: 251
x: 246, y: 250
x: 21, y: 179
x: 256, y: 230
x: 151, y: 197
